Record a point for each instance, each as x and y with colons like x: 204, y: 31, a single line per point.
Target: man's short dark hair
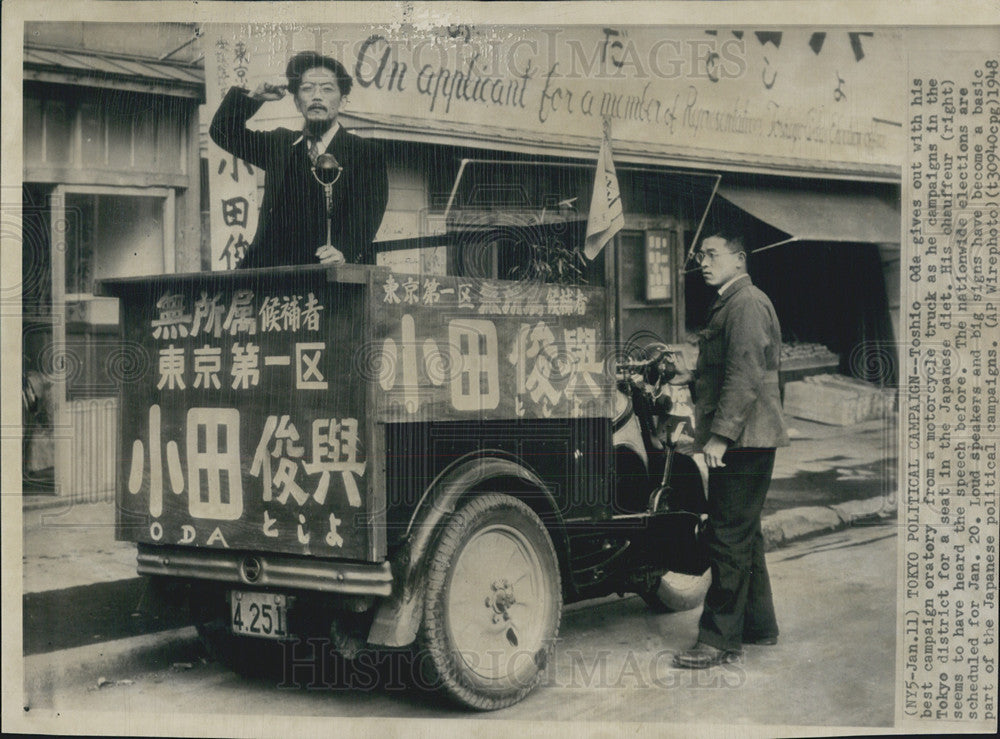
x: 734, y: 241
x: 306, y: 60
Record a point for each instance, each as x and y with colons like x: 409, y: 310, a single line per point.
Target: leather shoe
x: 761, y: 641
x: 704, y: 655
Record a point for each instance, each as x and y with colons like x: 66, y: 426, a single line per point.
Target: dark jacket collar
x: 735, y: 288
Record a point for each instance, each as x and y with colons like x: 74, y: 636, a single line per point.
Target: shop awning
x: 114, y: 71
x: 819, y: 216
x: 563, y: 143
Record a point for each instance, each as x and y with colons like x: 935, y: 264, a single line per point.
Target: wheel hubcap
x: 497, y: 605
x: 501, y: 599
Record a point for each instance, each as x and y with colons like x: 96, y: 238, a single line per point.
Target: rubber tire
x: 679, y: 592
x: 245, y: 655
x: 442, y: 665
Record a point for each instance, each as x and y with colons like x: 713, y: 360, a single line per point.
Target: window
x: 97, y: 135
x: 112, y: 235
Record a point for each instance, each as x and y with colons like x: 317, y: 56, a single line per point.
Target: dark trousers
x: 738, y: 605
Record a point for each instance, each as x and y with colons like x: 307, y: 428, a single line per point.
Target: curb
x: 784, y: 527
x: 45, y: 502
x: 109, y: 659
x: 63, y: 619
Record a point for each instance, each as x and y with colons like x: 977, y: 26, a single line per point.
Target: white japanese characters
x: 554, y: 361
x: 207, y: 366
x: 214, y: 483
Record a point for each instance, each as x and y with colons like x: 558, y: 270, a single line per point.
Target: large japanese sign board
x: 257, y: 423
x: 249, y: 430
x: 453, y: 348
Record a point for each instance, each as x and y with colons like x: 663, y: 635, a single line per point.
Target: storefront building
x: 111, y: 189
x: 788, y: 135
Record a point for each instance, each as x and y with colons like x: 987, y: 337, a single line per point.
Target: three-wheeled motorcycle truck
x: 398, y: 460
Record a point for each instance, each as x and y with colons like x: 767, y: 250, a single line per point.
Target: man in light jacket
x: 738, y: 425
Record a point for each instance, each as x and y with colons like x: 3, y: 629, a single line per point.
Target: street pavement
x: 832, y: 667
x: 80, y: 585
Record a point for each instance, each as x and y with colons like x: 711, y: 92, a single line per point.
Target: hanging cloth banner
x: 232, y: 183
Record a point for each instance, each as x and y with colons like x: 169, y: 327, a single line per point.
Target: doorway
x: 80, y: 234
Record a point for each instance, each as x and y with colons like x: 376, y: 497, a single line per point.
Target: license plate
x: 259, y: 614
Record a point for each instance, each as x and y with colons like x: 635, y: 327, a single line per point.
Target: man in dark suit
x: 293, y: 228
x: 738, y: 425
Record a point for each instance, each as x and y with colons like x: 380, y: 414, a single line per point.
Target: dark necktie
x: 312, y: 147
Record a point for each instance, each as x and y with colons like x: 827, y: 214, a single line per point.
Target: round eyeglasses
x: 711, y: 255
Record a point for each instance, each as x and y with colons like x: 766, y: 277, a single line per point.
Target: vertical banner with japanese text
x: 232, y: 182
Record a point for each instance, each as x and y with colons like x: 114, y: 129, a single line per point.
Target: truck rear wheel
x: 492, y: 604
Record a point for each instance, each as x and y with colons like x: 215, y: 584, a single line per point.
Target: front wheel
x: 492, y: 604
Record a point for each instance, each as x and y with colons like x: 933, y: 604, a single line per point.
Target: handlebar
x: 657, y: 367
